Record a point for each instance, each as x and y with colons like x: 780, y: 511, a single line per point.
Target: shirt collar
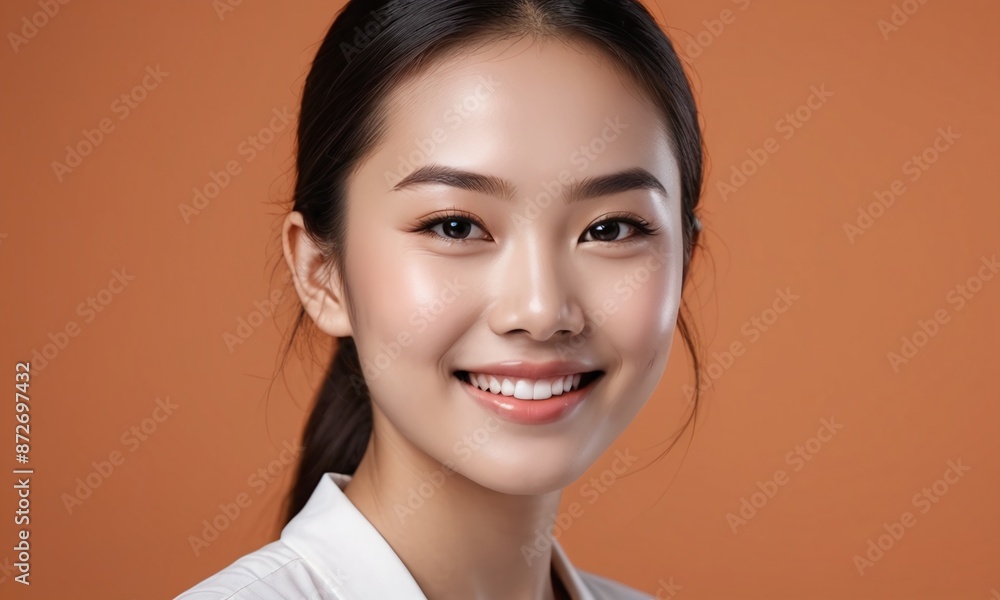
x: 355, y: 560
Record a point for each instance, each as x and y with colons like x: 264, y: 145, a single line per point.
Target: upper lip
x: 533, y: 370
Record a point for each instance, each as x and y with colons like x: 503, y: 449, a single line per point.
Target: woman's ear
x: 317, y: 282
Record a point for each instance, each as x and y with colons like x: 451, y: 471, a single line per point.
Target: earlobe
x: 317, y: 282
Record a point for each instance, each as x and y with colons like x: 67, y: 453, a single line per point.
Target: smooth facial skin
x: 530, y: 279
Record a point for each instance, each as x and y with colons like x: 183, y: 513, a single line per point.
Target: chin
x: 524, y: 474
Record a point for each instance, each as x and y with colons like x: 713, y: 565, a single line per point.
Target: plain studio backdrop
x: 846, y: 445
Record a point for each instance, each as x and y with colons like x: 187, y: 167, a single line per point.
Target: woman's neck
x: 459, y: 540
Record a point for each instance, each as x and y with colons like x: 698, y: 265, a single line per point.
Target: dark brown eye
x: 622, y: 228
x: 456, y: 228
x: 607, y: 231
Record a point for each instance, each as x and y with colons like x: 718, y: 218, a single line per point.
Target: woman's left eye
x: 611, y: 230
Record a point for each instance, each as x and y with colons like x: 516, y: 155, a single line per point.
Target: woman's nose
x: 535, y: 293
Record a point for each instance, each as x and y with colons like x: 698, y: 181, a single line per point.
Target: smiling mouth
x: 528, y: 389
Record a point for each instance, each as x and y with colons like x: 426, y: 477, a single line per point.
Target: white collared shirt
x: 330, y: 551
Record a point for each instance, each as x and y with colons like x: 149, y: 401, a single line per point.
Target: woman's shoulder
x: 602, y: 588
x: 274, y: 571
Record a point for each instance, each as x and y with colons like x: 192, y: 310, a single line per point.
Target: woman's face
x: 527, y: 273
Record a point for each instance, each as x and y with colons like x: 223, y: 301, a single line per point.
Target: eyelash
x: 644, y: 229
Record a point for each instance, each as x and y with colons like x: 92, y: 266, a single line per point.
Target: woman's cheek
x: 645, y: 301
x: 637, y: 297
x: 417, y: 311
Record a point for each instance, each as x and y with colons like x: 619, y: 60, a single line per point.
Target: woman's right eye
x: 455, y: 228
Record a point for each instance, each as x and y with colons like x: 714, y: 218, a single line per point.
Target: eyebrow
x: 591, y: 187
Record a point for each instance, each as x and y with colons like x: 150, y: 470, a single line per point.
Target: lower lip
x: 530, y: 412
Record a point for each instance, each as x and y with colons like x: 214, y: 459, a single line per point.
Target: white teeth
x: 526, y: 389
x: 523, y: 389
x: 543, y: 390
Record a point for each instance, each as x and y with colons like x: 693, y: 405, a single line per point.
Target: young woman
x: 494, y: 215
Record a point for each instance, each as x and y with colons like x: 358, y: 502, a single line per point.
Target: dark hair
x: 370, y: 47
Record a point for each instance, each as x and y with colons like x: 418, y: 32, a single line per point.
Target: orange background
x: 164, y: 335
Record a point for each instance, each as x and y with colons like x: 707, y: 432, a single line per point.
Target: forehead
x: 524, y: 109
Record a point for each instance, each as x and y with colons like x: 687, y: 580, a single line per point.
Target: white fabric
x: 330, y: 551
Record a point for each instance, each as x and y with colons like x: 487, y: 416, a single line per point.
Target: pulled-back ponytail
x: 338, y: 428
x: 370, y: 48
